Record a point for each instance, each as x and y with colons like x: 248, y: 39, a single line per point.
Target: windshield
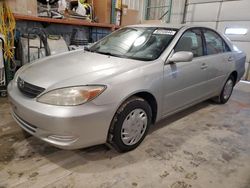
x: 135, y: 43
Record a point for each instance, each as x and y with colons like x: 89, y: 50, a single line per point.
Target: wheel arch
x: 234, y: 74
x: 151, y: 100
x: 147, y: 96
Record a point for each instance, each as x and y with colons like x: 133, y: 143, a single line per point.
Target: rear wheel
x: 130, y: 124
x: 226, y: 91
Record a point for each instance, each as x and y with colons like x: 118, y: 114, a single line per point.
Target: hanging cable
x: 7, y: 27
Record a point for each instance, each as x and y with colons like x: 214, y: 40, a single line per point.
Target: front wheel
x: 226, y: 91
x: 130, y: 124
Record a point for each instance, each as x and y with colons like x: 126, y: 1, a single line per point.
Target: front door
x: 185, y: 82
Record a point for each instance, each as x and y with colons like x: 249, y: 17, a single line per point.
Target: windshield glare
x: 135, y: 43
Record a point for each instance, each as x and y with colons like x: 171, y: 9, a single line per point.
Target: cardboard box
x: 102, y: 10
x: 26, y: 7
x: 129, y: 16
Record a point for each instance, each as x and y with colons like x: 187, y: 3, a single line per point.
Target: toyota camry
x: 114, y: 90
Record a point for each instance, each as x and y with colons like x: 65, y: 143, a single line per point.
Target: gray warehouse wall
x: 136, y: 5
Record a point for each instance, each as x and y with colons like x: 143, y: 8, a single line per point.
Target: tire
x: 226, y: 91
x: 3, y: 93
x: 26, y: 134
x: 130, y: 124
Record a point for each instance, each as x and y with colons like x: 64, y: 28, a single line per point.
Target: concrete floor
x: 206, y: 146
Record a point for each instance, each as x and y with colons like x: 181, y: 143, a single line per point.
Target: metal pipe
x: 158, y: 6
x: 248, y: 72
x: 147, y: 4
x: 28, y: 47
x: 3, y: 82
x: 170, y: 10
x: 163, y: 15
x: 184, y: 12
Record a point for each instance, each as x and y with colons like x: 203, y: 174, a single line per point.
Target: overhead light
x: 236, y: 31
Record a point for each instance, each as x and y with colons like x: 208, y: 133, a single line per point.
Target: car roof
x: 166, y: 25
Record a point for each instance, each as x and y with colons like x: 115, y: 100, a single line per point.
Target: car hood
x: 75, y: 68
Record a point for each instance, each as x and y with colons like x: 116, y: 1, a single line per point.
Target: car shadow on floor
x: 102, y: 154
x: 179, y: 115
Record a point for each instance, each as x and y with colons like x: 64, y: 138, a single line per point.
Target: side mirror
x: 181, y: 56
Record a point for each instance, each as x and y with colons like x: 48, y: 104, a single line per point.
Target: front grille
x: 28, y: 89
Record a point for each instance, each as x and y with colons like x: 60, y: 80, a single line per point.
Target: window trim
x: 225, y: 45
x: 203, y: 44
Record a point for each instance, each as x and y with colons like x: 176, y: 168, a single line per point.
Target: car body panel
x: 79, y: 66
x: 86, y: 123
x: 174, y: 86
x: 182, y: 86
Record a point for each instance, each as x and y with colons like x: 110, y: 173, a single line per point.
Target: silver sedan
x: 113, y: 91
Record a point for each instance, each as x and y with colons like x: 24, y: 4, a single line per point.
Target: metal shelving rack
x: 3, y: 78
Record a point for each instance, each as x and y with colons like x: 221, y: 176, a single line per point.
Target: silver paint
x: 175, y: 86
x: 134, y: 126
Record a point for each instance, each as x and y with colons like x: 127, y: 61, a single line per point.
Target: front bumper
x: 64, y: 127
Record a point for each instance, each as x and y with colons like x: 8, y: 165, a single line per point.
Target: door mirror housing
x: 182, y: 56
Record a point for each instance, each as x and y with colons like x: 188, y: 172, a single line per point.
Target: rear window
x: 215, y: 44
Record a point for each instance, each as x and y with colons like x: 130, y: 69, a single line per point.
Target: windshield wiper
x: 104, y: 53
x: 109, y: 54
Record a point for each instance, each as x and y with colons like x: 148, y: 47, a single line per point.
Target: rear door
x: 185, y: 82
x: 217, y: 57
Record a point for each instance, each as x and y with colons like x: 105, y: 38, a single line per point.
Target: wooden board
x: 69, y: 21
x: 102, y: 9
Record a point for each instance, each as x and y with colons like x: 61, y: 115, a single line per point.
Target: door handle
x: 204, y: 66
x: 230, y: 59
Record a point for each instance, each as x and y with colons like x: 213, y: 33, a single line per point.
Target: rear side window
x: 215, y: 44
x: 191, y: 41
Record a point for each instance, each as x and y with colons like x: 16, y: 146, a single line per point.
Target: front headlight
x: 71, y: 96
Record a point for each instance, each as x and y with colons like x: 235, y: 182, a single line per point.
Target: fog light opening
x: 62, y: 138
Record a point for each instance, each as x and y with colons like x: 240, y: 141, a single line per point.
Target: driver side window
x: 190, y: 41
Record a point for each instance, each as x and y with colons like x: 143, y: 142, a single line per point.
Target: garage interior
x: 204, y: 146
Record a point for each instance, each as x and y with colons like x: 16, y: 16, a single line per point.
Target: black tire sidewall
x: 119, y: 118
x: 222, y: 99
